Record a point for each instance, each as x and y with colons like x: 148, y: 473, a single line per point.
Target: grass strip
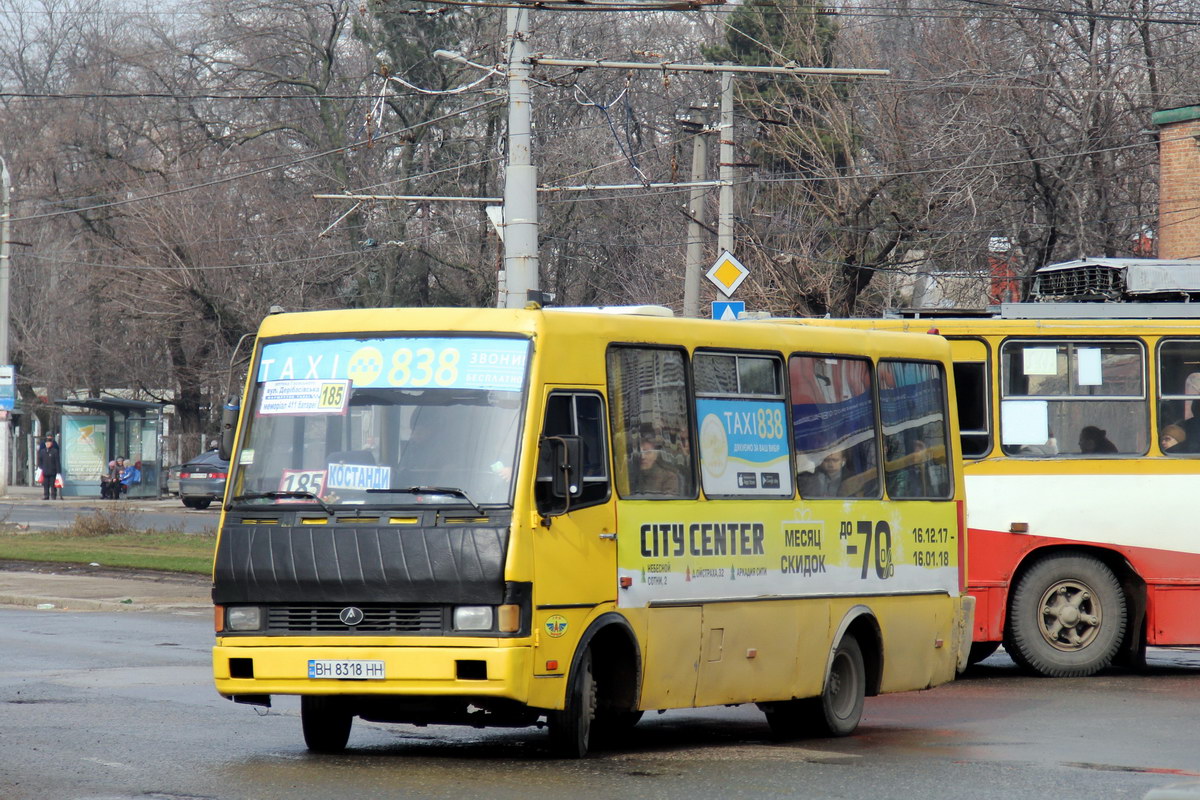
x: 111, y: 540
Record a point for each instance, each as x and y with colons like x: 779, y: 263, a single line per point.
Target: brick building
x: 1178, y: 232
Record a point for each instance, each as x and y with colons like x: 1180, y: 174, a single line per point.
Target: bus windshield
x: 395, y: 421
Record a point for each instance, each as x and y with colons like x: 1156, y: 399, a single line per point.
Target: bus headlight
x: 472, y: 618
x: 243, y: 618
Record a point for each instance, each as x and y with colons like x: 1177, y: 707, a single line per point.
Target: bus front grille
x: 375, y: 619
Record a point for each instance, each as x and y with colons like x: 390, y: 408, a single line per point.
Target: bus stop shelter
x: 105, y: 428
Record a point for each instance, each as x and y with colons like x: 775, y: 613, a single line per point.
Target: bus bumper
x: 965, y: 629
x: 499, y: 672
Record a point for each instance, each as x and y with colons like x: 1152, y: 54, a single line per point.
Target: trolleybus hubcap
x: 1070, y: 615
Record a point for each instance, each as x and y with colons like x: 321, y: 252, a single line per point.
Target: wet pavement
x: 66, y: 587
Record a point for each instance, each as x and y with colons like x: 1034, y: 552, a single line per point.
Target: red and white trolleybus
x: 1081, y: 438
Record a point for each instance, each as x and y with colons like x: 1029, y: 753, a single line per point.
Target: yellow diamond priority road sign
x: 727, y: 273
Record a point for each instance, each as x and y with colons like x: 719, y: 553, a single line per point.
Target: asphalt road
x: 28, y: 509
x: 108, y: 706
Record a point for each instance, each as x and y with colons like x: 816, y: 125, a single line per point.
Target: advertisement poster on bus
x: 743, y: 447
x: 680, y: 552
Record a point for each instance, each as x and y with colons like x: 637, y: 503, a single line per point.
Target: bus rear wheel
x: 326, y: 722
x: 1067, y: 618
x: 837, y: 710
x: 571, y: 728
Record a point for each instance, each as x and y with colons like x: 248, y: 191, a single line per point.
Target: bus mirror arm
x: 229, y: 419
x: 561, y: 462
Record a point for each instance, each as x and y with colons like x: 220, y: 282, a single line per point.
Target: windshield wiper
x: 276, y: 495
x: 452, y: 490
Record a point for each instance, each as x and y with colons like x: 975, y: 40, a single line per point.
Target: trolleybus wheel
x: 837, y: 710
x: 571, y: 728
x: 1067, y: 617
x: 326, y: 723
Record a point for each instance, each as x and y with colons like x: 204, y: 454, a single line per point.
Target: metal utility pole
x: 520, y: 180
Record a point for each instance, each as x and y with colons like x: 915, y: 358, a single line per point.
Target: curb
x: 78, y: 604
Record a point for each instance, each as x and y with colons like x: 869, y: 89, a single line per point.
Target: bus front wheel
x: 326, y: 723
x: 571, y: 728
x: 1067, y: 618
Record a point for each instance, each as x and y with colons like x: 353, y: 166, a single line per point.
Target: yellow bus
x: 497, y: 518
x: 1080, y: 434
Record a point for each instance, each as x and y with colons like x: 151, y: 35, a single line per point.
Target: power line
x: 252, y: 173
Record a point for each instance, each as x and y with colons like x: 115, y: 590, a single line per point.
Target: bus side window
x: 833, y: 426
x: 912, y: 404
x: 582, y: 415
x: 731, y: 388
x: 971, y: 386
x: 651, y: 424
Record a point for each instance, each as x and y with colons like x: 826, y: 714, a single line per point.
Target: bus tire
x: 980, y: 651
x: 837, y: 710
x: 326, y: 722
x: 571, y: 728
x: 1066, y: 618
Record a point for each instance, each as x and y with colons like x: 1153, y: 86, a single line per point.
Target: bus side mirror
x: 560, y: 464
x: 229, y: 419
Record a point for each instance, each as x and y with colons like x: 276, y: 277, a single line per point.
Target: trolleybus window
x: 1179, y: 396
x: 742, y: 415
x: 971, y: 389
x: 912, y: 410
x: 651, y: 426
x: 833, y: 427
x: 1080, y: 398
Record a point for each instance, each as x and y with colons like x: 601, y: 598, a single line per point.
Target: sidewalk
x: 67, y: 587
x: 29, y: 494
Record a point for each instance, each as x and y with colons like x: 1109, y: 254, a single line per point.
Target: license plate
x: 346, y: 670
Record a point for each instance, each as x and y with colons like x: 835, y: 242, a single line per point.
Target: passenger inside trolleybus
x: 1095, y: 440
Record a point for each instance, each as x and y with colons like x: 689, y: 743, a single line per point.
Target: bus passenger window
x: 651, y: 426
x: 912, y: 403
x: 1179, y: 397
x: 740, y: 458
x: 1090, y: 398
x: 833, y: 415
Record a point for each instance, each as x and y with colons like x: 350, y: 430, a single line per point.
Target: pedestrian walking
x: 49, y: 461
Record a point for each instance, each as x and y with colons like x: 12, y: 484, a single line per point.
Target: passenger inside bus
x: 1094, y: 440
x: 826, y: 480
x: 650, y: 474
x: 677, y: 455
x: 912, y: 471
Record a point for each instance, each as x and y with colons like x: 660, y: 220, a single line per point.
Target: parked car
x: 171, y: 480
x: 202, y: 479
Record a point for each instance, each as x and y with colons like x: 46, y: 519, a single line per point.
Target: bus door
x: 575, y: 547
